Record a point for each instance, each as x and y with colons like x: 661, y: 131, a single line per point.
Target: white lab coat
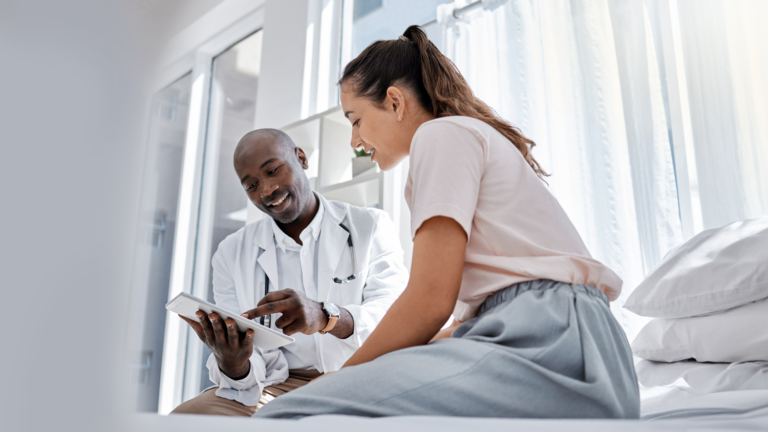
x: 243, y: 257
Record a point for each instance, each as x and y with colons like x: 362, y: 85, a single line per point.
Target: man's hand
x: 231, y: 348
x: 300, y: 314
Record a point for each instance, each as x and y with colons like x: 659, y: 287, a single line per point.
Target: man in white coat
x: 325, y: 272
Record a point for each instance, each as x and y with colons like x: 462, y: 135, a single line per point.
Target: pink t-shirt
x: 464, y: 169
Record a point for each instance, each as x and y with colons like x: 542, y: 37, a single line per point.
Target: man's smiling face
x: 271, y: 171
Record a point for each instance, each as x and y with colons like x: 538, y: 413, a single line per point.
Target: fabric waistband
x: 509, y: 293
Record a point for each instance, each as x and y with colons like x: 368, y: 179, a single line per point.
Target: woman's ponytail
x: 414, y: 61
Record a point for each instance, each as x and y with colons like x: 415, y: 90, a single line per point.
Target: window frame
x: 222, y: 28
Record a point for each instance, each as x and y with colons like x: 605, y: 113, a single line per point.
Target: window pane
x: 160, y: 195
x: 224, y: 207
x: 374, y: 20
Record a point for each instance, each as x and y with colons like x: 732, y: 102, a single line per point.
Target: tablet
x: 265, y: 338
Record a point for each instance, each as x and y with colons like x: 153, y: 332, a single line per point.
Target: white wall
x: 281, y: 82
x: 69, y: 166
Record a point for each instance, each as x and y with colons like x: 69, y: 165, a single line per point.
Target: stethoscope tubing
x: 266, y: 320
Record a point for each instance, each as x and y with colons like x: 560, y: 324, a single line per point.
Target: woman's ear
x: 396, y: 102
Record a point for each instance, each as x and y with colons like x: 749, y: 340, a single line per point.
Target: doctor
x: 325, y: 272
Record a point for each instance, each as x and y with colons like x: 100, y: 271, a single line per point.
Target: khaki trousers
x: 208, y: 403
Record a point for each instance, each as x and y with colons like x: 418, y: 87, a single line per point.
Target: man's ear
x: 302, y: 158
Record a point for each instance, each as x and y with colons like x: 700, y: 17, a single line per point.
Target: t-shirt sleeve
x: 447, y: 162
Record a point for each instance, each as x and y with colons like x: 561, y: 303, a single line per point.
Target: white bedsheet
x: 677, y: 396
x: 752, y: 421
x: 688, y: 389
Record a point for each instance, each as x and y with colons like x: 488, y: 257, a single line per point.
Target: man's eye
x: 250, y: 186
x: 274, y: 170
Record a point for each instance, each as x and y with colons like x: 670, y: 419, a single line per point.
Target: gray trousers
x: 538, y: 349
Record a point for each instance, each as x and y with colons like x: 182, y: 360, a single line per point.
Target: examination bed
x: 682, y: 395
x: 708, y: 304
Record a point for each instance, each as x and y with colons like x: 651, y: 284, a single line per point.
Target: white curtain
x: 725, y: 47
x: 585, y: 80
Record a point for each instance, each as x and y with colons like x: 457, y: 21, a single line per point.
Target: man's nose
x: 268, y: 189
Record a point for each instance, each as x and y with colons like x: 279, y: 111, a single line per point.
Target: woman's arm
x: 427, y: 302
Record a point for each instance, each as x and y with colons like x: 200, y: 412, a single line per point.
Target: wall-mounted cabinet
x: 325, y: 138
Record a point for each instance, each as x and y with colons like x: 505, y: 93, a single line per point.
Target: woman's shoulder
x: 455, y: 122
x: 455, y: 129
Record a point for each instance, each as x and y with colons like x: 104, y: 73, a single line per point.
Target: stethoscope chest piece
x: 351, y: 277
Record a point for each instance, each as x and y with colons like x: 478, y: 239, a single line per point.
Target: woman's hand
x: 446, y: 332
x: 231, y: 348
x: 425, y: 305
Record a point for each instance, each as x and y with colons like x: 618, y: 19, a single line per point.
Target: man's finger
x: 284, y: 321
x: 232, y: 333
x: 290, y: 326
x: 219, y: 333
x: 292, y: 329
x: 275, y: 296
x: 268, y: 308
x: 247, y: 342
x: 195, y: 326
x: 205, y: 323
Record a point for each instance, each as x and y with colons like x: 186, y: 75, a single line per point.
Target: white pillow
x: 717, y: 269
x: 738, y: 334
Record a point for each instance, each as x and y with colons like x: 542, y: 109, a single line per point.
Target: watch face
x: 331, y: 309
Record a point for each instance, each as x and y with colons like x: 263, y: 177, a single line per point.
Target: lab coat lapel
x: 268, y: 258
x: 333, y: 240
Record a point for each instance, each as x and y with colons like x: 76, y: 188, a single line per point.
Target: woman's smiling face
x: 379, y: 129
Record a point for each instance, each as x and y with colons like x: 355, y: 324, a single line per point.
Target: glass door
x: 224, y: 207
x: 159, y: 201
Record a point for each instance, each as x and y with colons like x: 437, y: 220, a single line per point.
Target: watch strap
x: 331, y: 324
x: 332, y: 319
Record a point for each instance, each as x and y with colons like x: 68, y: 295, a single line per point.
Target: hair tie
x: 403, y: 38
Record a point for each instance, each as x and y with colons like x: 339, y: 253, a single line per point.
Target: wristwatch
x: 332, y: 312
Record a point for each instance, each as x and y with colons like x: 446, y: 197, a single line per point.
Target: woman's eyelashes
x: 356, y: 123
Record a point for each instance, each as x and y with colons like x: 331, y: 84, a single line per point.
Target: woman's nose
x: 356, y: 141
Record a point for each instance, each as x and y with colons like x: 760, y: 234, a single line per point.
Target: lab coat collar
x: 334, y: 214
x: 332, y: 247
x: 314, y: 227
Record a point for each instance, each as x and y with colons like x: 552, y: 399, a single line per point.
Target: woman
x: 491, y: 245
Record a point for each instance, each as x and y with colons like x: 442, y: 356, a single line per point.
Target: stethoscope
x: 266, y: 320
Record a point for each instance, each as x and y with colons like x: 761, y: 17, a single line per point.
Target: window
x: 162, y: 181
x: 224, y: 207
x: 364, y: 7
x: 373, y: 20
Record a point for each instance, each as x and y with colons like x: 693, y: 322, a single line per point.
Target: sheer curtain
x: 725, y: 48
x: 585, y: 79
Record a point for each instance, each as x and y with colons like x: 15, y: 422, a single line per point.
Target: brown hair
x: 415, y: 62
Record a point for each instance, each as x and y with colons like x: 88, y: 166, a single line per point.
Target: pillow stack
x: 708, y: 298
